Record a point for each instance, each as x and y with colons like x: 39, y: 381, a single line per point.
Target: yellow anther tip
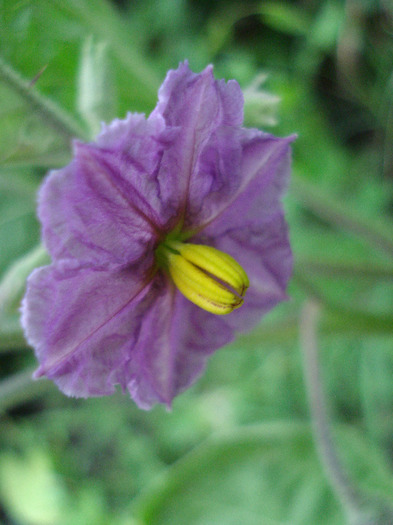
x: 211, y: 279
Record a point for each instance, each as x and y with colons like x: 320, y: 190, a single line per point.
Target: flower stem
x: 347, y: 493
x: 56, y: 117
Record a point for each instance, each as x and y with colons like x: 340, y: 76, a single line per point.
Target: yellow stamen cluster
x: 211, y: 279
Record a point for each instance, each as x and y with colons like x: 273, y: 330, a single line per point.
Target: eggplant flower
x: 167, y: 237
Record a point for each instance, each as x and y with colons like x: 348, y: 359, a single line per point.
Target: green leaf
x: 19, y: 388
x: 104, y: 22
x: 30, y: 489
x: 19, y: 230
x: 377, y: 233
x: 11, y: 335
x: 376, y: 386
x: 55, y: 31
x: 284, y: 17
x: 12, y: 285
x: 53, y: 115
x: 327, y: 25
x: 246, y: 476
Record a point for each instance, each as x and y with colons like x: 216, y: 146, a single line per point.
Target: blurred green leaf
x: 285, y: 17
x: 327, y: 25
x: 105, y: 23
x: 30, y: 489
x: 12, y: 288
x: 11, y: 335
x: 53, y: 115
x: 245, y: 476
x: 19, y: 230
x: 12, y: 285
x: 26, y: 137
x: 377, y: 233
x: 376, y: 390
x: 20, y: 388
x: 57, y: 30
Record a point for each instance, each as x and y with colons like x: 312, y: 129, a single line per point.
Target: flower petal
x: 251, y: 227
x: 104, y: 208
x: 93, y: 330
x: 198, y: 105
x: 174, y: 342
x: 217, y: 177
x: 264, y: 252
x: 261, y: 181
x: 83, y: 325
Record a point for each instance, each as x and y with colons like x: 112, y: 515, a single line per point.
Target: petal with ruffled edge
x: 262, y: 179
x: 217, y: 177
x: 104, y: 208
x: 171, y: 357
x: 251, y: 227
x: 136, y: 146
x: 265, y: 254
x: 200, y: 106
x: 84, y: 324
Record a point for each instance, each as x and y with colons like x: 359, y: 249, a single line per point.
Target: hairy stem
x: 345, y: 491
x: 50, y: 113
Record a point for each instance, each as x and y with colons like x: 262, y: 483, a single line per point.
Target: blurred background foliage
x: 237, y: 448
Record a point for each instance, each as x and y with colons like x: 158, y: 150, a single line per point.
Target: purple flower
x: 155, y: 206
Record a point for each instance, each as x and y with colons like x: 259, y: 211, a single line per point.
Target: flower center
x: 211, y: 279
